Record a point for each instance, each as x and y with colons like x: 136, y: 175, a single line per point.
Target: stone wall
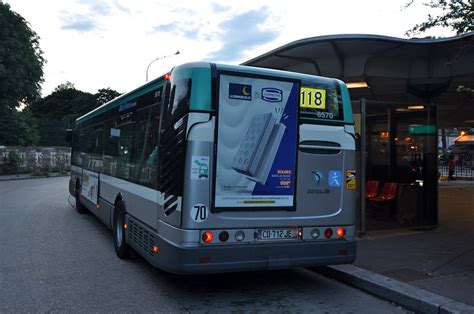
x: 35, y: 159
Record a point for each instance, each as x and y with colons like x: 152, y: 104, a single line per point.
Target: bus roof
x: 196, y: 66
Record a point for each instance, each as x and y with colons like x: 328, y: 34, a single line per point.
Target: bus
x: 222, y: 168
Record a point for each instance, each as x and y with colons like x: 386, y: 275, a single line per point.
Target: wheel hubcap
x: 119, y: 231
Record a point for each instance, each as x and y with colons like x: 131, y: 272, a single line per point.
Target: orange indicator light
x: 125, y: 226
x: 207, y: 237
x: 167, y: 76
x: 341, y: 232
x: 155, y: 249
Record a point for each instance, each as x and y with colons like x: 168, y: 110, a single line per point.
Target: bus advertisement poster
x: 256, y: 142
x: 90, y: 185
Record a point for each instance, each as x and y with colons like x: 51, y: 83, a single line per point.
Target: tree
x: 456, y: 14
x: 104, y: 95
x: 67, y: 85
x: 21, y: 72
x: 66, y: 102
x: 58, y: 111
x: 28, y: 133
x: 21, y: 59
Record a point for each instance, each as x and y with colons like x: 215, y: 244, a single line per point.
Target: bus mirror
x: 68, y: 136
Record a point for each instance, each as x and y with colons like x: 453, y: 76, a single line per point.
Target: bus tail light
x: 223, y: 236
x: 315, y: 233
x: 207, y: 237
x: 328, y: 233
x: 341, y: 232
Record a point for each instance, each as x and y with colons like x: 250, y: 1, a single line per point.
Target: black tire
x: 81, y: 209
x: 122, y: 249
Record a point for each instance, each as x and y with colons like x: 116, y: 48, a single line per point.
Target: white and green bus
x: 218, y: 168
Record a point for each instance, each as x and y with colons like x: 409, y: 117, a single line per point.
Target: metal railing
x: 464, y: 169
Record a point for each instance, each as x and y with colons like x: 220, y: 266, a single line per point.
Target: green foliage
x: 456, y: 14
x: 21, y: 72
x: 104, y: 95
x: 11, y: 163
x: 18, y: 128
x: 67, y: 85
x: 28, y: 133
x: 58, y: 111
x: 7, y: 126
x: 65, y: 103
x: 21, y: 60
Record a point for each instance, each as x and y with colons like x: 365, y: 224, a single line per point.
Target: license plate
x: 277, y: 234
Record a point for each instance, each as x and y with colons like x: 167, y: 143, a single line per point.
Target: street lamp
x: 160, y: 58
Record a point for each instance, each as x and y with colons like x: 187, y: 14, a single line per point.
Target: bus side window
x: 111, y: 143
x: 125, y: 165
x: 147, y: 146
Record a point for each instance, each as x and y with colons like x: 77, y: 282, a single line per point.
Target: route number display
x: 313, y: 98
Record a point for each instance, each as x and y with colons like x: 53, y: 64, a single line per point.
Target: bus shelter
x: 404, y: 93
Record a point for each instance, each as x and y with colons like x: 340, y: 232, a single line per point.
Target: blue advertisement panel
x: 256, y: 142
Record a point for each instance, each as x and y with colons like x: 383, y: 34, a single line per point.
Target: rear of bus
x: 269, y: 177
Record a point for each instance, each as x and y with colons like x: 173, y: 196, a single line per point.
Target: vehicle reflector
x: 328, y: 233
x: 204, y: 259
x: 207, y: 237
x: 224, y: 236
x: 315, y: 233
x: 125, y: 226
x: 239, y: 235
x: 155, y: 249
x: 341, y: 232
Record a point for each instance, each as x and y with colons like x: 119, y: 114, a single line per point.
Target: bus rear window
x: 321, y: 100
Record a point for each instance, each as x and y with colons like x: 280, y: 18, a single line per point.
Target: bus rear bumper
x: 248, y: 257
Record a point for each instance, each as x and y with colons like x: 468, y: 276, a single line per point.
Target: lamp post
x: 159, y: 58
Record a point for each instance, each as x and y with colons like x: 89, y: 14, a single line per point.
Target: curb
x: 14, y: 178
x: 408, y: 296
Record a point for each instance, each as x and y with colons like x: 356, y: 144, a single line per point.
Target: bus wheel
x: 81, y: 209
x: 121, y: 247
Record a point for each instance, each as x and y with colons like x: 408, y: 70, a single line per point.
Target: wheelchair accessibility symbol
x: 335, y: 178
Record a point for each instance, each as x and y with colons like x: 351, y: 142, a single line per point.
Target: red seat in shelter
x: 389, y: 193
x: 371, y: 189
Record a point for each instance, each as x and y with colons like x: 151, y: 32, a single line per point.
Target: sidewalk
x: 439, y: 261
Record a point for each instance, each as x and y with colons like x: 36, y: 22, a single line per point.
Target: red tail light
x: 207, y: 237
x: 224, y: 236
x: 328, y: 233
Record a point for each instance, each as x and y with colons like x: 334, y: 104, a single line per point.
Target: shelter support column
x: 362, y: 175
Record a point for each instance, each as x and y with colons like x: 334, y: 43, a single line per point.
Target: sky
x: 110, y: 43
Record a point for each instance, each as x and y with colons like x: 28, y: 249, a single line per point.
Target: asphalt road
x: 53, y: 259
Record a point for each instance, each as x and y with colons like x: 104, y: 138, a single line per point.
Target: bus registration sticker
x: 313, y: 98
x: 277, y: 234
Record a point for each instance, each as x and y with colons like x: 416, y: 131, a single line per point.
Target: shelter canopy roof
x: 412, y: 71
